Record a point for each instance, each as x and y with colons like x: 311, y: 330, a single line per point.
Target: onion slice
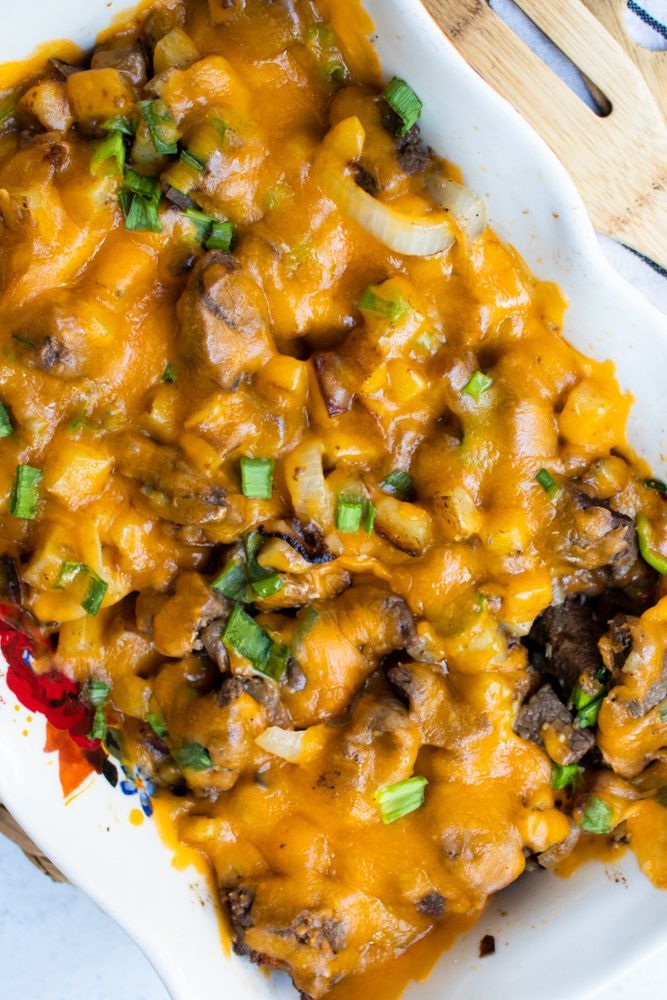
x: 413, y: 236
x: 467, y: 207
x: 285, y: 743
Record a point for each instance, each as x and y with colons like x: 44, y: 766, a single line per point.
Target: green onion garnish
x: 98, y: 729
x: 349, y: 513
x: 548, y: 483
x: 232, y: 582
x: 97, y: 587
x: 369, y: 517
x: 119, y: 123
x: 257, y: 478
x: 597, y: 817
x: 192, y: 161
x: 201, y: 222
x: 477, y: 385
x: 276, y: 664
x: 391, y: 309
x: 140, y: 184
x: 398, y: 484
x: 157, y: 723
x: 403, y: 100
x: 5, y: 422
x: 564, y: 775
x: 587, y: 704
x: 252, y: 543
x: 306, y: 623
x: 655, y: 484
x: 98, y: 692
x: 161, y: 126
x: 247, y: 638
x: 647, y: 544
x: 24, y: 497
x: 269, y: 585
x: 222, y: 234
x: 193, y: 756
x: 141, y: 214
x: 395, y: 801
x: 112, y: 148
x: 169, y: 374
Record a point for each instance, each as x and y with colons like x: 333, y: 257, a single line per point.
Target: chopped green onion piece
x: 477, y: 385
x: 5, y: 422
x: 391, y: 309
x: 247, y: 638
x: 322, y: 34
x: 269, y: 585
x: 193, y: 756
x: 157, y: 723
x: 98, y: 692
x: 655, y: 484
x: 232, y: 582
x: 99, y: 727
x: 306, y: 623
x: 398, y: 484
x: 588, y: 716
x: 562, y: 776
x: 192, y: 161
x: 369, y: 517
x: 168, y: 375
x: 161, y: 126
x: 24, y: 497
x: 140, y: 184
x: 222, y: 234
x: 276, y: 664
x: 252, y: 543
x: 403, y: 100
x: 97, y: 587
x: 201, y: 222
x: 395, y: 801
x: 256, y: 478
x: 140, y: 213
x: 428, y: 343
x: 597, y: 817
x: 581, y: 699
x: 111, y: 148
x: 647, y: 545
x: 349, y: 513
x: 548, y: 483
x: 119, y: 123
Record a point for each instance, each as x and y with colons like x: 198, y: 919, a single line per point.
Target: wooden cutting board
x: 618, y: 162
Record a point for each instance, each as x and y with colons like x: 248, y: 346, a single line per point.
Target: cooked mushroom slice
x: 125, y: 54
x: 223, y: 322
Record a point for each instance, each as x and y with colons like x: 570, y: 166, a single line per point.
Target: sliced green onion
x: 222, y: 234
x: 157, y: 723
x: 306, y: 623
x: 395, y: 801
x: 597, y: 817
x: 5, y: 422
x: 548, y: 483
x: 120, y: 123
x: 24, y: 497
x: 247, y: 638
x: 276, y: 665
x: 477, y: 385
x: 562, y: 776
x: 192, y: 161
x: 98, y: 692
x: 97, y: 587
x: 391, y: 309
x: 169, y: 374
x: 201, y: 222
x: 655, y: 484
x: 161, y: 126
x: 647, y: 544
x: 369, y: 517
x: 141, y: 214
x: 111, y: 148
x: 252, y: 543
x: 349, y: 513
x: 232, y: 582
x: 140, y: 184
x: 403, y: 100
x: 428, y: 343
x: 269, y: 586
x: 99, y: 727
x: 588, y: 716
x: 193, y: 756
x: 256, y: 478
x: 398, y: 484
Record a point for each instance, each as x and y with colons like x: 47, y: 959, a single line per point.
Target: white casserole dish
x: 128, y: 870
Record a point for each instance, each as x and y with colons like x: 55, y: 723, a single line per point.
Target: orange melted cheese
x: 269, y: 355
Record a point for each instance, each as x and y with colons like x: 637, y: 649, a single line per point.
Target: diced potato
x: 47, y: 102
x: 458, y: 513
x: 594, y: 416
x: 98, y: 94
x: 145, y: 157
x: 200, y: 452
x: 163, y: 417
x: 407, y: 526
x: 287, y: 374
x: 175, y: 50
x: 77, y: 473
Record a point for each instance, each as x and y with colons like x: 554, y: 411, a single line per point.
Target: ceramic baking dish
x: 127, y: 869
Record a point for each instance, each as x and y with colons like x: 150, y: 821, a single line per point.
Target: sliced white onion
x: 285, y: 743
x: 467, y: 207
x: 305, y: 480
x: 414, y: 236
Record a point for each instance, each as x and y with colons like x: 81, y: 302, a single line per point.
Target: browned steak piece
x: 564, y: 643
x: 546, y: 709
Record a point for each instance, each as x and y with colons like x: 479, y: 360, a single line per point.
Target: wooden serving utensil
x: 618, y: 162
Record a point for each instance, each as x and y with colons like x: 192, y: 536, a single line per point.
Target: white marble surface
x: 55, y: 944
